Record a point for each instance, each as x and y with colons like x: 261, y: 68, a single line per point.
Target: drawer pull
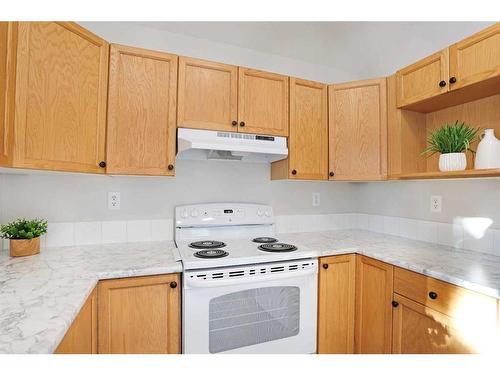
x: 433, y: 295
x: 395, y: 303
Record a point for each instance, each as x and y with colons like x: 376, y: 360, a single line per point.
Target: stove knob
x: 184, y: 214
x: 259, y: 212
x: 268, y: 213
x: 194, y: 212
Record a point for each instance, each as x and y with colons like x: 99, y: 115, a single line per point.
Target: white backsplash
x: 454, y: 235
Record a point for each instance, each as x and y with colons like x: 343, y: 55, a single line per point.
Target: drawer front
x: 448, y: 299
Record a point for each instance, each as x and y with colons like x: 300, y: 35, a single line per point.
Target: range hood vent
x: 194, y: 144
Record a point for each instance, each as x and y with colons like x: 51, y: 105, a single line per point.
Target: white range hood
x: 193, y: 144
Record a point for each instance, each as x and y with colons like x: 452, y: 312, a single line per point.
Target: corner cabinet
x: 358, y: 130
x: 81, y: 337
x: 208, y: 95
x: 373, y: 325
x: 263, y: 102
x: 61, y: 75
x: 308, y: 138
x: 140, y: 315
x: 141, y: 112
x: 337, y: 276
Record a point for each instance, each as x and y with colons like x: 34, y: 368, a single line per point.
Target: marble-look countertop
x: 469, y: 269
x: 41, y: 295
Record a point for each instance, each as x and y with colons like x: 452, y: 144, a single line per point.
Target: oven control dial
x: 268, y: 213
x: 194, y: 212
x: 184, y: 214
x: 259, y: 212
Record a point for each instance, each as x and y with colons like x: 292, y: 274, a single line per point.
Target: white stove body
x: 250, y: 301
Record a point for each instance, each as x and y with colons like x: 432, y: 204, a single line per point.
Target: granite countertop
x: 41, y: 295
x: 469, y: 269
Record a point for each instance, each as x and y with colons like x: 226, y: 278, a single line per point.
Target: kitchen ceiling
x: 362, y: 46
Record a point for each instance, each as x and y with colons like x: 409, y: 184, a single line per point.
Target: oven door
x: 264, y: 308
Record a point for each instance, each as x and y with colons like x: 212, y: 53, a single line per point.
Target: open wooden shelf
x: 444, y: 175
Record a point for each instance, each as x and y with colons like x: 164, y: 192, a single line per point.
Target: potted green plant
x: 24, y: 236
x: 451, y: 141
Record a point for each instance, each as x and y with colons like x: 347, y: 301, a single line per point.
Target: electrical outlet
x: 436, y: 203
x: 113, y: 201
x: 316, y: 199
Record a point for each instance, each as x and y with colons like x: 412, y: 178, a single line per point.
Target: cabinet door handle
x: 325, y: 266
x: 294, y: 172
x: 170, y: 167
x: 173, y: 284
x: 242, y: 124
x: 102, y: 164
x: 433, y: 295
x: 442, y: 83
x: 453, y: 79
x: 395, y: 303
x: 234, y: 123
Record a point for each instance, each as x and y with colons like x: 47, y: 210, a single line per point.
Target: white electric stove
x: 244, y: 291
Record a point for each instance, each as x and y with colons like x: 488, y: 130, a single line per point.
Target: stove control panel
x: 215, y: 214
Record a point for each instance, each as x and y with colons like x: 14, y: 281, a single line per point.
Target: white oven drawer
x: 264, y: 308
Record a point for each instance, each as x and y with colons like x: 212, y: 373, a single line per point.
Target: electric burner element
x: 277, y: 247
x: 265, y: 240
x: 206, y: 244
x: 213, y: 253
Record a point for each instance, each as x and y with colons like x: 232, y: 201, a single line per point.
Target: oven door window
x: 253, y: 316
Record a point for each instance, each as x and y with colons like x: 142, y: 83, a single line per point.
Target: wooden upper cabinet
x: 141, y: 112
x: 60, y: 100
x: 337, y: 278
x: 81, y: 337
x: 358, y: 130
x: 208, y: 95
x: 262, y: 102
x: 373, y: 319
x: 476, y: 58
x: 140, y: 315
x: 423, y: 80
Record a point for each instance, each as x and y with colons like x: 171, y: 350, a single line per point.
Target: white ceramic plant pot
x: 488, y: 151
x: 455, y: 161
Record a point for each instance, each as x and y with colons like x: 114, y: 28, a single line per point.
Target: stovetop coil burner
x: 264, y: 240
x: 207, y: 244
x: 277, y: 247
x: 211, y: 253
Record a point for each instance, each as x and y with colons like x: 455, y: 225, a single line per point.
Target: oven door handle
x: 238, y: 280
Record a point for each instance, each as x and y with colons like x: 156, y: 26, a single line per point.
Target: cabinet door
x: 308, y: 140
x: 141, y: 112
x: 423, y: 79
x: 421, y: 330
x: 262, y: 102
x: 358, y: 130
x: 139, y: 315
x: 8, y: 45
x: 81, y: 337
x: 208, y: 95
x: 476, y: 58
x: 61, y: 85
x: 373, y: 319
x: 336, y: 304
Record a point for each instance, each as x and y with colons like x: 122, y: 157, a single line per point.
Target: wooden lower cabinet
x: 337, y: 277
x: 373, y: 322
x: 139, y: 315
x: 81, y: 337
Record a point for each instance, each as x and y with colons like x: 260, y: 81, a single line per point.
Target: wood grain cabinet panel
x: 81, y: 337
x: 373, y: 319
x: 423, y: 80
x: 308, y: 138
x: 208, y: 95
x: 337, y: 278
x: 263, y: 102
x: 140, y: 315
x: 141, y: 112
x: 60, y: 105
x: 476, y: 58
x: 358, y: 130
